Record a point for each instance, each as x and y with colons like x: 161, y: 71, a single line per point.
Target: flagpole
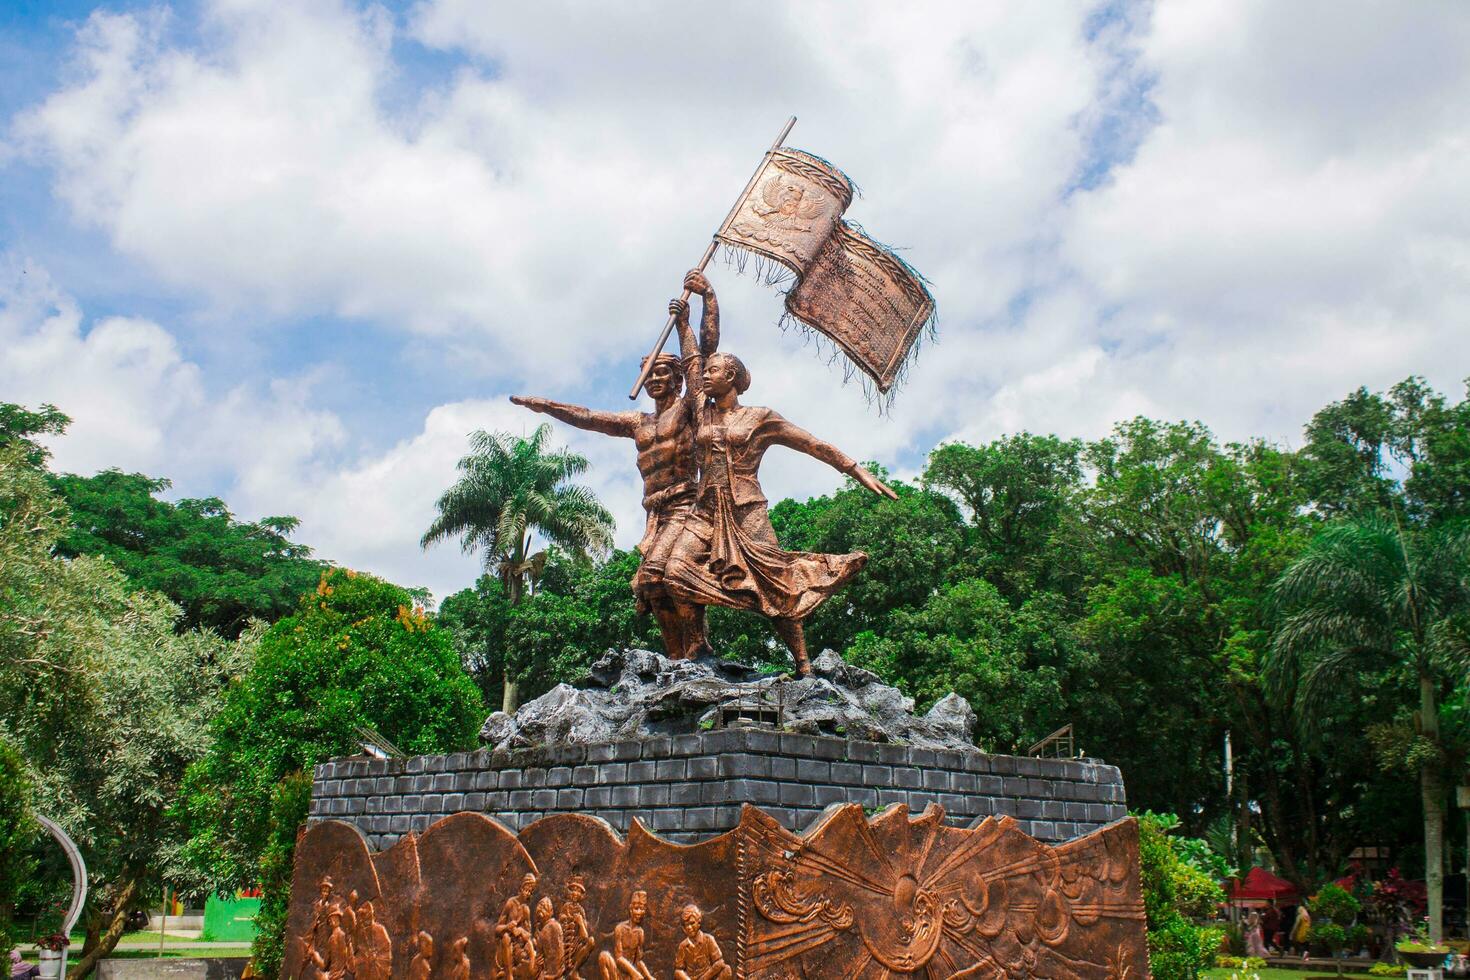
x: 709, y: 253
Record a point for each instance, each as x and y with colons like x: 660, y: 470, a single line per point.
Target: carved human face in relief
x: 528, y: 887
x: 691, y: 921
x: 638, y: 907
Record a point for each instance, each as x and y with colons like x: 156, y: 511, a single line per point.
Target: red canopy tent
x: 1260, y: 885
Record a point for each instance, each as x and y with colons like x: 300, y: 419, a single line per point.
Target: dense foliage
x: 105, y: 702
x: 17, y: 831
x: 221, y: 572
x: 356, y: 653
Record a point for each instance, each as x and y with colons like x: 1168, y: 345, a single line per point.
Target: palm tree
x: 1368, y: 592
x: 509, y: 490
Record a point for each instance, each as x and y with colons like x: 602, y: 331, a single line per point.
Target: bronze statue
x: 625, y: 962
x: 709, y: 540
x: 698, y: 956
x: 726, y: 553
x: 665, y: 441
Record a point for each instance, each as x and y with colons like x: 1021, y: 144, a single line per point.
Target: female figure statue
x: 726, y: 553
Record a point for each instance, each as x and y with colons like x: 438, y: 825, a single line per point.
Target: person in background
x: 1271, y: 926
x: 1255, y: 945
x: 20, y: 969
x: 1300, y: 929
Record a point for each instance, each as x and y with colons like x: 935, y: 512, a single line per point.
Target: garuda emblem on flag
x: 852, y: 289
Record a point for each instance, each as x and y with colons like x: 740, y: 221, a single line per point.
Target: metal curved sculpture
x: 78, y: 872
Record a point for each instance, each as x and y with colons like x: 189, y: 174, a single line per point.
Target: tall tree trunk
x: 510, y: 698
x: 122, y: 904
x: 1432, y: 791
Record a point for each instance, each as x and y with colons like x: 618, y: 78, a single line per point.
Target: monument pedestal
x: 689, y: 788
x: 725, y: 855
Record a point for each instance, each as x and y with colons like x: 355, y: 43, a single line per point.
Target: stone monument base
x: 688, y: 788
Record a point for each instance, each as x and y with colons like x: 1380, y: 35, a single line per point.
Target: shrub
x: 1175, y: 888
x: 1335, y: 904
x: 1388, y: 970
x: 1251, y: 964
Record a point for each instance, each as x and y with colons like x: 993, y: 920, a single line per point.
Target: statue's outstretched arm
x: 784, y: 433
x: 608, y: 423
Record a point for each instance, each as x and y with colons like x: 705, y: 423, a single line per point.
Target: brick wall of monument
x: 690, y: 787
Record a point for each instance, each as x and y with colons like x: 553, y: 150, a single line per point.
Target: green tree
x: 221, y: 571
x: 510, y: 489
x: 1019, y: 492
x: 580, y: 608
x: 17, y: 833
x: 1373, y: 593
x: 967, y: 639
x: 106, y: 703
x: 356, y: 653
x: 913, y: 544
x: 18, y: 425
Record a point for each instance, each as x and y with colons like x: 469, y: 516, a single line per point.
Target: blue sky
x: 290, y: 254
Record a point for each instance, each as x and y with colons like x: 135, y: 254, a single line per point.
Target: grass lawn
x: 1270, y: 973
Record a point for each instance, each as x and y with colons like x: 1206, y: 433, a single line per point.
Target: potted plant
x: 1418, y: 951
x: 53, y: 955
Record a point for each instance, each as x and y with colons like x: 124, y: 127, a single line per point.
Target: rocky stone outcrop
x: 638, y: 693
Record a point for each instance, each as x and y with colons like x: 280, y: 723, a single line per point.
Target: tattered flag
x: 850, y: 288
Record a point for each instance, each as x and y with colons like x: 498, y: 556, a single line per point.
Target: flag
x: 852, y: 289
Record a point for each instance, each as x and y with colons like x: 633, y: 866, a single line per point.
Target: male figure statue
x: 515, y: 946
x: 666, y: 459
x: 550, y: 944
x: 698, y: 956
x: 625, y: 962
x: 577, y: 935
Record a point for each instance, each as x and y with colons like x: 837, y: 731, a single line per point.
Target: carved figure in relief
x: 321, y: 909
x: 577, y: 938
x: 421, y: 967
x: 550, y: 944
x: 727, y: 553
x: 515, y: 955
x: 459, y: 960
x: 338, y: 957
x: 698, y: 956
x: 625, y: 962
x: 666, y: 460
x: 349, y: 915
x: 374, y: 946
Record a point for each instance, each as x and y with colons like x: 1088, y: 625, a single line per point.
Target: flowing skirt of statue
x: 728, y: 556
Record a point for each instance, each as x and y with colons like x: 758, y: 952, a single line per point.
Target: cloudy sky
x: 290, y: 254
